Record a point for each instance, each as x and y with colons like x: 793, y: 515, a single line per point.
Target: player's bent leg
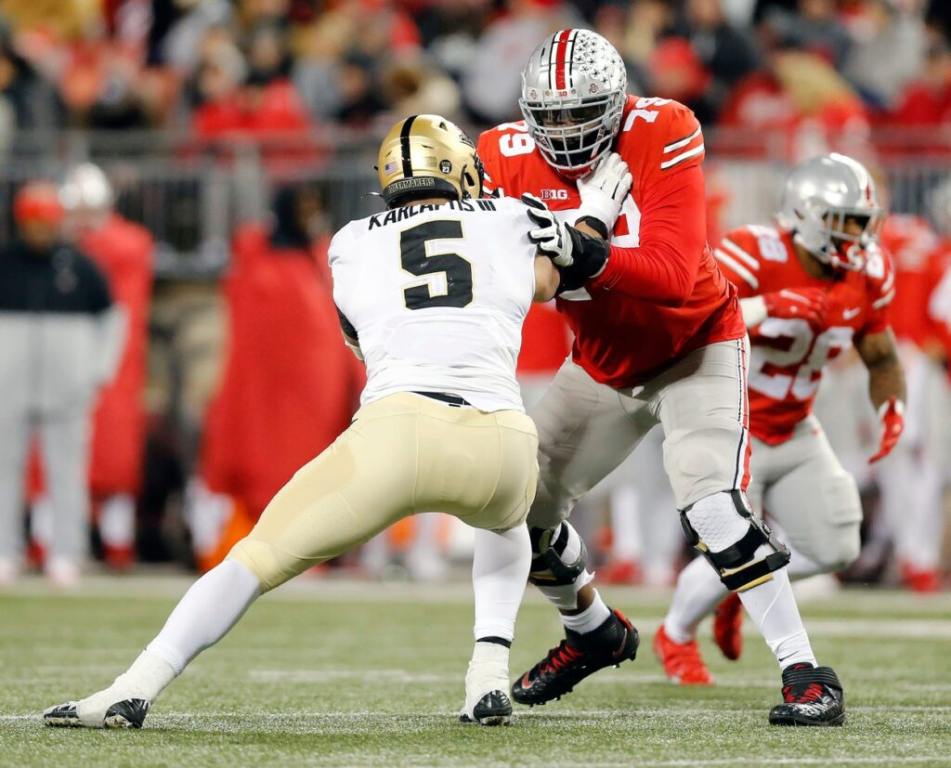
x: 559, y: 569
x: 697, y: 593
x: 749, y: 560
x: 818, y: 509
x: 585, y: 430
x: 486, y: 476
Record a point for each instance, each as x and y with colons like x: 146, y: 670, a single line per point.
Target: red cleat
x: 620, y: 572
x: 728, y: 625
x: 924, y: 580
x: 682, y: 662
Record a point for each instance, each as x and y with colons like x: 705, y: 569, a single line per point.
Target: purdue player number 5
x: 432, y: 294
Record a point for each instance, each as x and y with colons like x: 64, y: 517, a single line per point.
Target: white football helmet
x: 573, y: 93
x: 87, y: 189
x: 820, y: 196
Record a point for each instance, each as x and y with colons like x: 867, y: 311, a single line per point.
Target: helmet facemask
x: 573, y: 137
x: 573, y: 94
x: 838, y: 237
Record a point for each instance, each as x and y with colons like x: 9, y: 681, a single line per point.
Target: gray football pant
x: 586, y: 429
x: 803, y: 490
x: 64, y: 446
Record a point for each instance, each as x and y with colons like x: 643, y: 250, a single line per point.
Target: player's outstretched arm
x: 886, y: 386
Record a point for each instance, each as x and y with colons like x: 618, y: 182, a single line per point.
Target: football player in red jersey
x: 812, y: 285
x: 659, y: 338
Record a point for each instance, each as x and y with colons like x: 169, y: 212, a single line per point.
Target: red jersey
x: 788, y: 354
x: 910, y: 241
x: 661, y: 295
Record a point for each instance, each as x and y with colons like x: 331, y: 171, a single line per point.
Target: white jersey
x: 436, y: 296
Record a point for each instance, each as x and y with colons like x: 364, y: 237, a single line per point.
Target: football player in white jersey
x: 432, y: 295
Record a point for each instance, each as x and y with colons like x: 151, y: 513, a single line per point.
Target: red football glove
x: 891, y: 416
x: 806, y: 303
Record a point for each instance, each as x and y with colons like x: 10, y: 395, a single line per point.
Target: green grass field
x: 364, y: 674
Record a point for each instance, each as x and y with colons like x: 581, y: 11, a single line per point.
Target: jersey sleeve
x: 881, y: 286
x: 738, y: 257
x: 337, y: 248
x: 664, y: 154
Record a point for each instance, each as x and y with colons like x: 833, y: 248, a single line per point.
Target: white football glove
x: 604, y: 189
x: 578, y: 256
x: 550, y: 236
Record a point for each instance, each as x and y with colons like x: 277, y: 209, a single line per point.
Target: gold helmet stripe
x: 404, y: 146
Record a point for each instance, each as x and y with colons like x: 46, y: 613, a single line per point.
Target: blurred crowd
x: 279, y: 68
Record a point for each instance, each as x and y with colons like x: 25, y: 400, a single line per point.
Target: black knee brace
x: 738, y: 566
x: 548, y: 568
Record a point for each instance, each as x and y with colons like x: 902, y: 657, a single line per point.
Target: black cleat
x: 127, y: 714
x: 576, y: 657
x: 494, y: 708
x: 811, y: 696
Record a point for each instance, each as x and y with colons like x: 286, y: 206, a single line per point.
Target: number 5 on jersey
x: 451, y: 267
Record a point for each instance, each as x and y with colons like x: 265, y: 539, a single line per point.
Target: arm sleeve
x: 663, y: 268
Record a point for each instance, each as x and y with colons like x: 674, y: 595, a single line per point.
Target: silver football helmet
x: 830, y: 205
x: 573, y: 93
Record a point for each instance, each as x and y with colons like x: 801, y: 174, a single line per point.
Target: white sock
x: 699, y: 591
x: 490, y: 653
x: 773, y: 609
x: 500, y: 564
x: 589, y: 619
x: 488, y: 671
x: 146, y: 678
x: 205, y: 614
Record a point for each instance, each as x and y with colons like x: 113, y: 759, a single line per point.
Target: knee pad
x: 559, y: 556
x: 559, y: 561
x: 741, y: 549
